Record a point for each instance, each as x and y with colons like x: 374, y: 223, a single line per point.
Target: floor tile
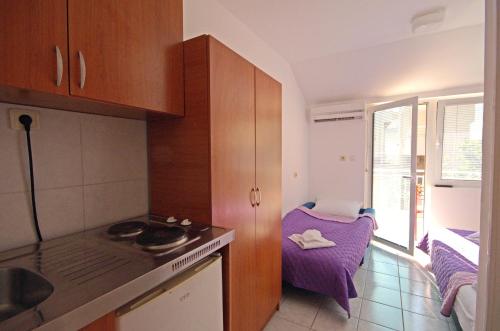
x: 329, y: 318
x: 378, y: 279
x: 412, y: 272
x: 394, y: 294
x: 381, y: 314
x: 279, y: 324
x: 453, y: 325
x: 384, y: 268
x: 368, y: 326
x: 359, y: 281
x: 383, y: 295
x: 382, y: 256
x: 424, y: 289
x: 404, y: 262
x: 300, y: 308
x: 421, y: 305
x: 332, y: 307
x: 416, y: 322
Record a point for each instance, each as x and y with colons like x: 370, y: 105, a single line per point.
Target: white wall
x: 337, y: 155
x: 457, y: 207
x: 210, y: 17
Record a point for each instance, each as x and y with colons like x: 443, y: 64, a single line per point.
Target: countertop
x: 93, y: 275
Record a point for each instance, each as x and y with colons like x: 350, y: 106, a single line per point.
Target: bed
x: 454, y: 263
x: 328, y: 271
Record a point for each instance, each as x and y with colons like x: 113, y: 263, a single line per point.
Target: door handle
x: 259, y: 196
x: 252, y: 197
x: 59, y: 66
x: 83, y: 69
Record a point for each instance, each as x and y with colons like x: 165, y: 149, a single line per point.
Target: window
x: 460, y: 125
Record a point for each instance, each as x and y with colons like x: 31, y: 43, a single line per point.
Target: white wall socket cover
x: 15, y: 113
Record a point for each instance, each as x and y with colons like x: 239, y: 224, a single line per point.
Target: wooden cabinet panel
x: 233, y: 173
x: 179, y: 149
x: 30, y: 32
x: 204, y: 165
x: 105, y: 323
x: 268, y: 182
x: 132, y: 52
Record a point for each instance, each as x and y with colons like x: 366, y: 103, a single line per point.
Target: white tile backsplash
x: 90, y: 170
x: 60, y: 211
x: 105, y: 203
x: 12, y: 165
x: 16, y: 227
x: 114, y: 149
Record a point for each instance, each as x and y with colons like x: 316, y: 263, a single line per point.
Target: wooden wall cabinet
x: 30, y: 34
x: 111, y: 54
x: 221, y: 165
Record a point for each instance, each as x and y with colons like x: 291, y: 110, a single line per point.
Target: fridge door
x: 191, y: 301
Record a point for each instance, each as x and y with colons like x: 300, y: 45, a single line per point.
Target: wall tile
x: 71, y: 150
x: 16, y: 225
x: 12, y: 165
x: 56, y: 151
x: 60, y: 211
x: 110, y: 202
x: 114, y: 149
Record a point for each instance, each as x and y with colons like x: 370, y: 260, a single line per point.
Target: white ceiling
x: 312, y: 33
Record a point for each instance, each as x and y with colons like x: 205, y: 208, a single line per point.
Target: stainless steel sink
x: 21, y: 289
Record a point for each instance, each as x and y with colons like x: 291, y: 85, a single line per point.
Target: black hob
x: 156, y: 235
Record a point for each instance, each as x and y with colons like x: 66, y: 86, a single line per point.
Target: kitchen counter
x: 93, y: 275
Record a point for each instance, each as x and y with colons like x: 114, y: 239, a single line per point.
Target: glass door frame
x: 413, y: 102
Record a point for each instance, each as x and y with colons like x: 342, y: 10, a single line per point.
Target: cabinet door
x: 232, y: 121
x: 132, y: 51
x: 268, y: 180
x: 31, y: 30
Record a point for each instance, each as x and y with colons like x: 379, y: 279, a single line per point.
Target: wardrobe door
x: 232, y: 121
x: 33, y: 45
x: 268, y: 180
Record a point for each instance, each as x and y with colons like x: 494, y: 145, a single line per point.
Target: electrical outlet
x: 16, y: 113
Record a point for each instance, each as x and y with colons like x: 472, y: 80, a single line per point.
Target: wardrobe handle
x: 83, y: 69
x: 59, y: 65
x: 259, y: 196
x: 252, y: 197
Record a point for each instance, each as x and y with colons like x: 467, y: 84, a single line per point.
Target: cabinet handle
x: 259, y: 196
x: 83, y: 69
x: 252, y: 197
x: 59, y: 64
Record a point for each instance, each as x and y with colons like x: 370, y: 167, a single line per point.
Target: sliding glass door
x: 393, y: 171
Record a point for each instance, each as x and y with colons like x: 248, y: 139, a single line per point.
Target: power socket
x: 16, y: 113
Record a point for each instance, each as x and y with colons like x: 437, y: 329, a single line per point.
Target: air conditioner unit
x: 339, y: 112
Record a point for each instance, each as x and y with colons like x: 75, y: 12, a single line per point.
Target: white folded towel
x: 311, y: 239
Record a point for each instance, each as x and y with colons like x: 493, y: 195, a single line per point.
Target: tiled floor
x: 393, y: 294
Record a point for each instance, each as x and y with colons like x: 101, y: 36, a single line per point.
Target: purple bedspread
x: 447, y: 262
x: 329, y: 270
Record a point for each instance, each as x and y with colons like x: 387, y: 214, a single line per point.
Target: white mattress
x: 465, y: 307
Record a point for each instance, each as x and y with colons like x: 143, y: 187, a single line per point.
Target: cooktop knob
x: 186, y: 222
x: 171, y: 219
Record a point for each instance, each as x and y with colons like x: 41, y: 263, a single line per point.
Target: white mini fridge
x: 191, y: 301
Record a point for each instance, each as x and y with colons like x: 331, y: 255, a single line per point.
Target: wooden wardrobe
x: 221, y: 165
